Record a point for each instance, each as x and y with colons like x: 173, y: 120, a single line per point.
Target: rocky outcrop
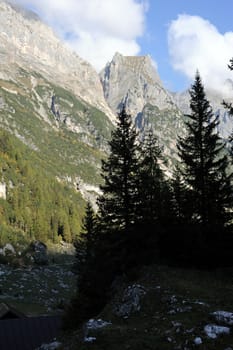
x: 2, y: 190
x: 134, y: 81
x: 27, y: 42
x: 8, y: 249
x: 129, y: 302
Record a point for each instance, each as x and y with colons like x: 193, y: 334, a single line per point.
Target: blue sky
x: 158, y: 19
x: 181, y: 36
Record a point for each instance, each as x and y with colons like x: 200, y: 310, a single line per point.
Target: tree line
x: 145, y: 217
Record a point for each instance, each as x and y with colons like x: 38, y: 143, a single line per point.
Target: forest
x: 146, y: 217
x: 37, y: 205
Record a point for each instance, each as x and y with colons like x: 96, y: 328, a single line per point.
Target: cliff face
x: 135, y: 82
x: 27, y: 42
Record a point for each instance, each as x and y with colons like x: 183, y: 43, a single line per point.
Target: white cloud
x: 196, y: 44
x: 96, y: 29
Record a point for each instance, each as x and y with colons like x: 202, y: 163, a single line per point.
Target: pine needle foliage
x: 204, y: 160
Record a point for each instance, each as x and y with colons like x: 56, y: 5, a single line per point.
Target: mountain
x: 216, y: 101
x: 50, y: 98
x: 56, y: 104
x: 135, y: 82
x: 27, y: 42
x: 52, y: 104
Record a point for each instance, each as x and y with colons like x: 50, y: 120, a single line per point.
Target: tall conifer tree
x: 205, y: 165
x: 85, y: 245
x: 117, y: 205
x: 229, y: 106
x: 117, y: 214
x: 151, y: 182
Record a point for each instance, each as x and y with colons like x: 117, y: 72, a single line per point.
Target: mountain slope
x: 29, y: 43
x: 50, y: 98
x: 52, y: 101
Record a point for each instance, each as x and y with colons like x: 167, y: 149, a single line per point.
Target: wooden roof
x: 7, y: 311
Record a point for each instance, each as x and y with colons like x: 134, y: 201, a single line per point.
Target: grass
x: 177, y: 306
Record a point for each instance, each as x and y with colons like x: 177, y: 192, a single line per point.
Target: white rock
x: 96, y: 324
x: 89, y: 339
x: 197, y: 341
x: 212, y: 330
x: 224, y: 316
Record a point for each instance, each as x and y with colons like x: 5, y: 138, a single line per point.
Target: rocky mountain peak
x: 133, y: 80
x: 141, y: 65
x: 25, y: 41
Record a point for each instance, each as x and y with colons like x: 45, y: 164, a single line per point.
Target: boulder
x: 39, y: 252
x: 130, y: 301
x: 8, y: 249
x: 224, y: 316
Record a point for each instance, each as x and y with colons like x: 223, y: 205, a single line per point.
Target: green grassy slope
x: 57, y: 141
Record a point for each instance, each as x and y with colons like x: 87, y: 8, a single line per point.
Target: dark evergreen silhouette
x: 205, y: 164
x: 181, y: 206
x: 153, y: 202
x: 117, y: 206
x: 92, y: 267
x: 229, y: 107
x: 151, y: 182
x: 109, y: 255
x: 85, y: 244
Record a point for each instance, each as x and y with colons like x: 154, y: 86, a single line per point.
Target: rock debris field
x: 37, y: 290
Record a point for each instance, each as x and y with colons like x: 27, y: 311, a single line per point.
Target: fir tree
x: 117, y: 205
x: 205, y: 165
x: 151, y: 182
x: 181, y: 194
x: 229, y: 107
x: 85, y: 244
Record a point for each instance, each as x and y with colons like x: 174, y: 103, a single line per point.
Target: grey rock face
x: 133, y: 80
x: 29, y: 43
x: 130, y: 301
